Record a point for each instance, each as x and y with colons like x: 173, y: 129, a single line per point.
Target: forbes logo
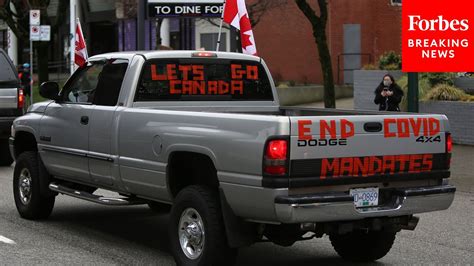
x: 438, y: 24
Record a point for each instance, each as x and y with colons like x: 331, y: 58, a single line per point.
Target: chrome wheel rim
x: 24, y: 186
x: 191, y: 233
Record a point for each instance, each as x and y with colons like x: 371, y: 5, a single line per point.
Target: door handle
x: 84, y: 120
x: 373, y: 127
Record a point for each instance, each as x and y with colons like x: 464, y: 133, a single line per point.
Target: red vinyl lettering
x: 415, y: 163
x: 434, y: 127
x: 416, y: 125
x: 328, y: 167
x: 347, y: 129
x: 347, y: 167
x: 304, y: 132
x: 403, y: 128
x: 386, y: 127
x: 427, y: 162
x: 361, y: 166
x: 331, y: 129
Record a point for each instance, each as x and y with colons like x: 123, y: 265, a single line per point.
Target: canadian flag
x: 235, y: 14
x: 80, y: 52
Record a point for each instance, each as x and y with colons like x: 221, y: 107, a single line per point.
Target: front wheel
x: 359, y: 246
x: 29, y: 202
x: 197, y: 230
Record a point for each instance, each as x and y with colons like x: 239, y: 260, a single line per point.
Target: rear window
x: 203, y: 80
x: 7, y: 74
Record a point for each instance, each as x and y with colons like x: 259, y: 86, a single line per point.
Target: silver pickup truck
x: 204, y: 134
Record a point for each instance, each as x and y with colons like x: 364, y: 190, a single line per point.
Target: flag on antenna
x: 235, y: 14
x: 80, y: 52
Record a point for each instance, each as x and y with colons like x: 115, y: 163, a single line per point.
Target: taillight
x: 275, y: 161
x: 449, y: 143
x: 449, y: 148
x: 21, y: 98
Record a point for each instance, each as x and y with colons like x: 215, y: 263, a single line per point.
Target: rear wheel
x: 5, y: 157
x: 26, y: 188
x: 359, y: 246
x: 197, y: 230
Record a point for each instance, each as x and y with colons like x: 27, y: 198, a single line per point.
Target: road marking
x: 7, y: 240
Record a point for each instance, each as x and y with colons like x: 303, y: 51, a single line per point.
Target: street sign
x: 45, y: 33
x: 35, y: 33
x: 186, y: 8
x: 35, y: 17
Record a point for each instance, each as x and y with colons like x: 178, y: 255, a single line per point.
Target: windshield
x: 203, y: 80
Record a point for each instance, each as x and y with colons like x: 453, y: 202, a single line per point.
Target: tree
x: 318, y: 24
x: 18, y: 22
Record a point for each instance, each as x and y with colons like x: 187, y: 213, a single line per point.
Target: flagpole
x: 220, y: 28
x: 72, y: 32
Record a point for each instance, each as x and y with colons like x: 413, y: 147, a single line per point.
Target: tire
x: 360, y: 246
x: 29, y: 202
x: 159, y: 207
x: 197, y: 209
x: 5, y: 157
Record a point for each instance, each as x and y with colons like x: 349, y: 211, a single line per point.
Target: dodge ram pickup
x: 202, y: 135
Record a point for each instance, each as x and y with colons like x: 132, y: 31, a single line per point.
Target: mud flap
x: 239, y: 232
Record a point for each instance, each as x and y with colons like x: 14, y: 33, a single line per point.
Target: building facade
x: 358, y: 32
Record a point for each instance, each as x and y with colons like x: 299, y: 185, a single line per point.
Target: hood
x: 39, y: 107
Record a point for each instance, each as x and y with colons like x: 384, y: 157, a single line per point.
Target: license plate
x: 365, y: 197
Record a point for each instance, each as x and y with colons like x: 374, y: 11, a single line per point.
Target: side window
x: 110, y: 82
x: 97, y: 84
x: 82, y: 88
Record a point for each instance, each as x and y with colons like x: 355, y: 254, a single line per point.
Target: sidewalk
x: 462, y: 162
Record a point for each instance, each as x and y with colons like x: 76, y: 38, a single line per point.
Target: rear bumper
x: 340, y: 207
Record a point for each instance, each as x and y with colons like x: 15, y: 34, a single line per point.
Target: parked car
x: 11, y: 104
x: 203, y: 132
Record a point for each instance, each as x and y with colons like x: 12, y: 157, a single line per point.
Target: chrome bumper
x: 340, y: 206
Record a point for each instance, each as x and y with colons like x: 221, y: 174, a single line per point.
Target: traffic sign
x: 45, y: 33
x: 35, y: 33
x: 35, y: 17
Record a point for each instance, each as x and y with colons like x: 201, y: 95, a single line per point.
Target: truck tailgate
x: 365, y: 148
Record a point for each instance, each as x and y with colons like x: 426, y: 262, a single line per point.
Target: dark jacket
x: 390, y: 103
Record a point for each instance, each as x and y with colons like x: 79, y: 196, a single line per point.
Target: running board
x: 95, y: 198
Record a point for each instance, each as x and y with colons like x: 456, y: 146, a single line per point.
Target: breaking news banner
x: 437, y: 36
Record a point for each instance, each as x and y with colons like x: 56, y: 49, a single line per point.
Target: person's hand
x: 384, y: 93
x: 389, y: 93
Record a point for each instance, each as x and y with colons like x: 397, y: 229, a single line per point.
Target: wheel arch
x: 24, y: 141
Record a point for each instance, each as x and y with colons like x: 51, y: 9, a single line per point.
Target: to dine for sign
x: 177, y: 8
x: 437, y: 36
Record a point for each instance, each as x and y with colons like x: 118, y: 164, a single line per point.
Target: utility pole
x: 412, y: 92
x: 141, y: 24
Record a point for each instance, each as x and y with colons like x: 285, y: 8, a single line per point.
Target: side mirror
x: 49, y: 90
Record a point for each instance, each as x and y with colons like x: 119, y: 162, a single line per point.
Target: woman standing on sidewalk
x: 388, y: 94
